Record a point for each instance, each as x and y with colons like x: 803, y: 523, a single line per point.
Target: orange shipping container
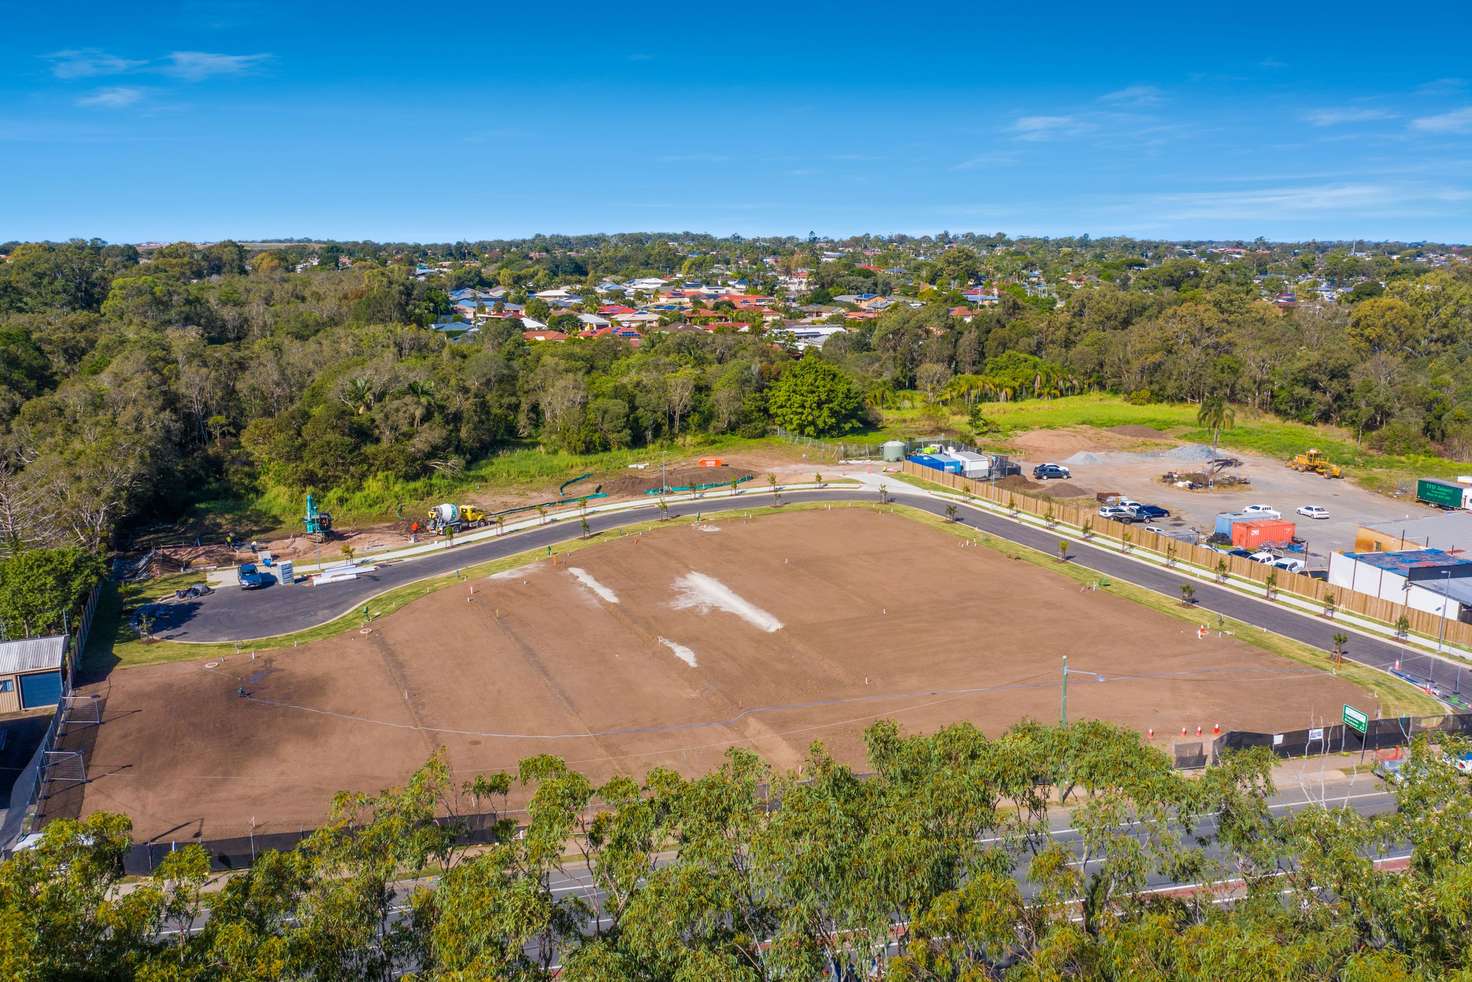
x: 1262, y: 532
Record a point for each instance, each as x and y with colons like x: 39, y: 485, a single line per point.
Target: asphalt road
x: 232, y: 614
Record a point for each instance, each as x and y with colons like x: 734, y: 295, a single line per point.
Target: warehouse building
x: 1449, y: 532
x: 1422, y: 579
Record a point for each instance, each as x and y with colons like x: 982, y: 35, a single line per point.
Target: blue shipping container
x: 1225, y: 521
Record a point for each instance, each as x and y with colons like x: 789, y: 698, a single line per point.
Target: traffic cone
x: 1198, y: 730
x: 1183, y: 731
x: 1150, y: 733
x: 1216, y: 730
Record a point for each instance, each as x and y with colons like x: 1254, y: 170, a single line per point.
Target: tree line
x: 939, y: 864
x: 133, y: 386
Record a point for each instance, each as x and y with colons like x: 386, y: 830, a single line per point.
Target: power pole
x: 1063, y: 711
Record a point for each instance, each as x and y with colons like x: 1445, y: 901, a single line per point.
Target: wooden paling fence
x: 1299, y: 585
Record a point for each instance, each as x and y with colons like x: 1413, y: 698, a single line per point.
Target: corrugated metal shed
x: 32, y: 654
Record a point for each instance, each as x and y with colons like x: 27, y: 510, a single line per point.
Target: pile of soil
x: 637, y: 482
x: 1140, y: 432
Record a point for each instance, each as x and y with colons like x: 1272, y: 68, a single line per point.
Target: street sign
x: 1356, y: 720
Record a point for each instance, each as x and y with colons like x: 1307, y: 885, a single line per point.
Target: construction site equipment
x: 1314, y: 461
x: 318, y: 523
x: 443, y: 518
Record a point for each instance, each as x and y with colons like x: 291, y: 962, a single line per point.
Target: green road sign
x: 1356, y: 720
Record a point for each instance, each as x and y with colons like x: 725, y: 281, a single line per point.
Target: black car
x: 1240, y: 553
x: 1150, y: 513
x: 1057, y: 472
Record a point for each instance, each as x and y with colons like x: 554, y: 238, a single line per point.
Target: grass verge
x: 1395, y: 696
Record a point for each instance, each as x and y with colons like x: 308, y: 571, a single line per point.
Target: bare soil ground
x: 802, y: 626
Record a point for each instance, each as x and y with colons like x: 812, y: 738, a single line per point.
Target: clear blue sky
x: 441, y: 121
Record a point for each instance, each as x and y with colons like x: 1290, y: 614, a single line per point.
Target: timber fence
x: 1086, y: 521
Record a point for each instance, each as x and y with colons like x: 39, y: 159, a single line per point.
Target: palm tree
x: 1216, y: 414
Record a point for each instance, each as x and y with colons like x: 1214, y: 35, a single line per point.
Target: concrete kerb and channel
x: 225, y: 575
x: 1353, y: 624
x: 894, y: 488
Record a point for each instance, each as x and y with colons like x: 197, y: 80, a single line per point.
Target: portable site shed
x: 31, y: 673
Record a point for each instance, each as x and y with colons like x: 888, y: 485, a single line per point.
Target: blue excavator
x: 318, y: 523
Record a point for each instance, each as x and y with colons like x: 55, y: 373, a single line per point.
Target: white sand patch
x: 707, y: 528
x: 586, y: 579
x: 681, y: 652
x: 705, y: 593
x: 516, y: 572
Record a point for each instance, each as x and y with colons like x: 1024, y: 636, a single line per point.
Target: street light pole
x: 1063, y: 711
x: 1445, y: 599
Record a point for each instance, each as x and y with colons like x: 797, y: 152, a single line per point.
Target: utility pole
x: 1063, y: 711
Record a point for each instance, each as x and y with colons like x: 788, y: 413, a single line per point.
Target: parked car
x: 1150, y: 512
x: 251, y: 578
x: 1264, y: 556
x: 1261, y: 511
x: 1291, y: 565
x: 1057, y: 472
x: 1119, y: 513
x: 1313, y: 511
x: 1391, y: 771
x: 1239, y: 553
x: 1156, y: 529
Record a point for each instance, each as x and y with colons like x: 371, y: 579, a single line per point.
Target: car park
x: 1057, y: 472
x: 1261, y: 511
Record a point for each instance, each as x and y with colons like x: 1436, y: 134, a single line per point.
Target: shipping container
x: 1443, y: 494
x: 1260, y: 532
x: 1226, y: 520
x: 935, y: 462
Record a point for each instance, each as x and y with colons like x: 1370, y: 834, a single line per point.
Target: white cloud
x: 89, y: 63
x: 193, y: 66
x: 1442, y: 86
x: 113, y: 97
x: 1038, y: 128
x: 1297, y: 201
x: 1134, y: 95
x: 993, y: 158
x: 1348, y: 114
x: 1456, y: 121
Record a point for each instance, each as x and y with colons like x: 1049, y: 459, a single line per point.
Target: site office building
x: 31, y: 673
x: 1422, y: 579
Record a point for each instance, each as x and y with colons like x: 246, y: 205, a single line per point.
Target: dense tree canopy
x: 937, y: 865
x: 133, y: 385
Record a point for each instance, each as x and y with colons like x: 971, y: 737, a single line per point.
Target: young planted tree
x: 953, y: 513
x: 1063, y: 550
x: 1188, y: 594
x: 1340, y: 639
x: 1221, y: 570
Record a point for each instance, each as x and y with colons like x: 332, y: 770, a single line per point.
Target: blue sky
x: 203, y: 120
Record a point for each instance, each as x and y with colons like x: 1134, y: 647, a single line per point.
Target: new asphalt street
x: 232, y: 614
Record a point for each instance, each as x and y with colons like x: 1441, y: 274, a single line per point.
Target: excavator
x: 317, y: 523
x: 1314, y: 461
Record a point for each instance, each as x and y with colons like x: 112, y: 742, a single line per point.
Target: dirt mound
x: 637, y: 482
x: 1139, y: 432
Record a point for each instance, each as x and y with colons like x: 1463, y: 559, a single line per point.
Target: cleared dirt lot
x: 1131, y: 463
x: 667, y: 649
